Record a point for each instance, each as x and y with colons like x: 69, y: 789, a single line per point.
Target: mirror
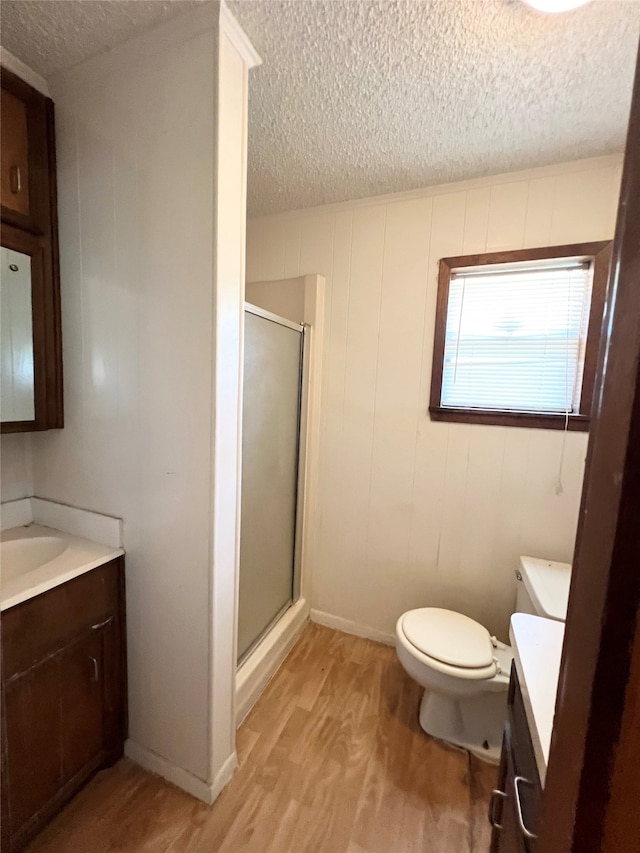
x: 30, y: 345
x: 17, y: 389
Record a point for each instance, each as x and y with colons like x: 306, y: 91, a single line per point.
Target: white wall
x: 415, y: 513
x: 142, y: 293
x: 285, y: 297
x: 16, y: 470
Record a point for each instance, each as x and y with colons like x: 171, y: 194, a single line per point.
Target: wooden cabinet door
x: 54, y: 716
x: 82, y: 705
x: 14, y: 169
x: 63, y: 710
x: 33, y: 757
x: 506, y: 836
x: 513, y: 809
x: 510, y: 838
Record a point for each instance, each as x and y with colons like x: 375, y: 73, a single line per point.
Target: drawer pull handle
x: 96, y: 674
x: 492, y: 807
x: 526, y: 832
x: 15, y: 179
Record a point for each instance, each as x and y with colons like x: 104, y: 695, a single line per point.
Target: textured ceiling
x: 49, y: 35
x: 360, y: 97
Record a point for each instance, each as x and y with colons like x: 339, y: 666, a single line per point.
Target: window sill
x: 577, y: 423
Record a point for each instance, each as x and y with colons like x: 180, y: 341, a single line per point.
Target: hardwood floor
x: 332, y: 760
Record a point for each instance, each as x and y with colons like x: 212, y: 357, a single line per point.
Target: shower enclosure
x: 269, y: 550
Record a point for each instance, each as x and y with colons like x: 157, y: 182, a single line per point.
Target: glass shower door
x: 270, y: 449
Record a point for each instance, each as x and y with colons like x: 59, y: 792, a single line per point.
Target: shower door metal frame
x: 303, y: 391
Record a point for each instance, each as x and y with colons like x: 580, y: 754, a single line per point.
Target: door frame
x: 588, y: 802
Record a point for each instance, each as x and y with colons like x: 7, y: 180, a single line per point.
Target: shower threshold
x: 264, y: 633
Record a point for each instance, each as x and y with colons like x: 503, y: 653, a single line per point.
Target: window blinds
x: 515, y: 337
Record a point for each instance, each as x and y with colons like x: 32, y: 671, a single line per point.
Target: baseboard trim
x: 263, y: 663
x: 349, y: 627
x: 193, y: 785
x: 223, y: 776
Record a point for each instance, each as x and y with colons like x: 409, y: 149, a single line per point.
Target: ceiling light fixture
x: 556, y: 5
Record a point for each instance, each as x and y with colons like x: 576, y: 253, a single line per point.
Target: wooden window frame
x: 599, y: 253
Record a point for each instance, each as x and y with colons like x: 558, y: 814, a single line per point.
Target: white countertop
x: 537, y: 649
x: 79, y: 556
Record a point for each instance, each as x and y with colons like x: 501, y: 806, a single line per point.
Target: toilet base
x: 474, y: 723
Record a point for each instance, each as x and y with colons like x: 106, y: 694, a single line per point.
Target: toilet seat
x: 449, y: 642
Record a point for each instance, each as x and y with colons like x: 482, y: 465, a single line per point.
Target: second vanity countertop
x: 537, y: 650
x: 49, y: 558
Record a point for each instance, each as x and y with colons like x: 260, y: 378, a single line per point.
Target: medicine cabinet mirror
x: 30, y: 329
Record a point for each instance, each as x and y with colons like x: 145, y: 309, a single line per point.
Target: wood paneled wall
x: 415, y: 513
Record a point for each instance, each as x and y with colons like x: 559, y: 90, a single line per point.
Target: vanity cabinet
x: 63, y: 696
x: 30, y: 338
x: 514, y: 804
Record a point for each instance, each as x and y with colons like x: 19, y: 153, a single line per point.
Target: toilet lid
x: 448, y: 637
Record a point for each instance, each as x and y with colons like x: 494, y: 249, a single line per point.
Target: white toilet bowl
x: 465, y: 673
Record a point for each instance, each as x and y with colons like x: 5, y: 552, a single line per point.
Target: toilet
x: 464, y: 670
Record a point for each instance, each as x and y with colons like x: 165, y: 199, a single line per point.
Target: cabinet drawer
x: 42, y: 625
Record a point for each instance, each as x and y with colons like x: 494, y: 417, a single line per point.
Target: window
x: 516, y: 338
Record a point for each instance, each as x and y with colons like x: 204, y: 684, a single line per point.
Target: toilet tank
x: 543, y: 588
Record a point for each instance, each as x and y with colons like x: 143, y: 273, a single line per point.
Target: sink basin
x: 19, y: 556
x: 35, y: 558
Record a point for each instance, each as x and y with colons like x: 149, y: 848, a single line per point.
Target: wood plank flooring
x: 332, y: 760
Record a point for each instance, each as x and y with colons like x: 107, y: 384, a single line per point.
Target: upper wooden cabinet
x: 30, y: 334
x: 15, y: 154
